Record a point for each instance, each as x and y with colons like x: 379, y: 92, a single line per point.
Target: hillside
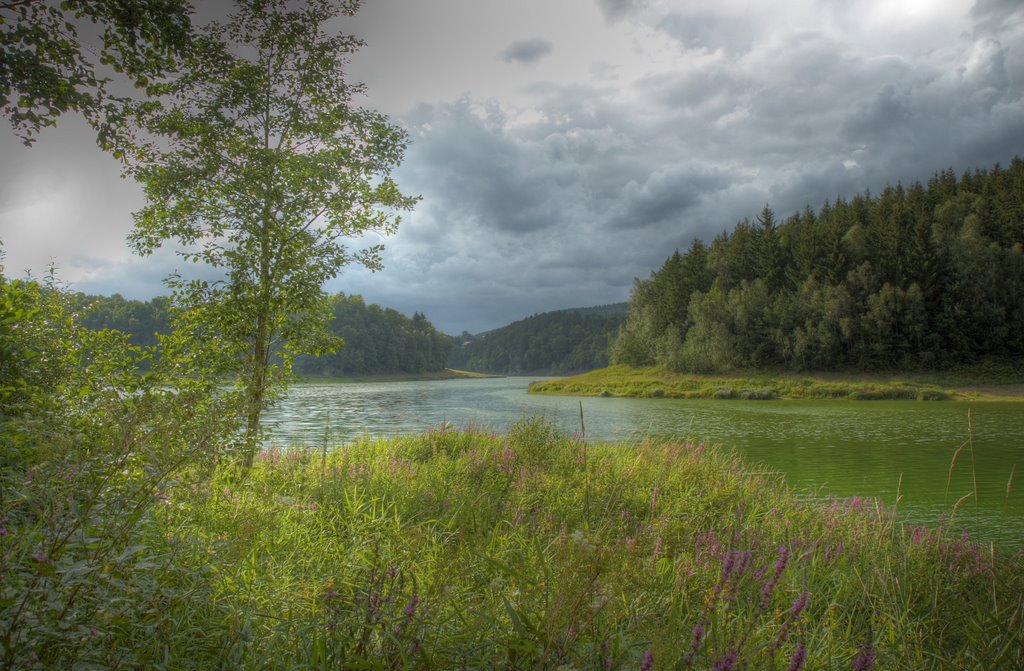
x: 923, y: 277
x: 378, y: 340
x: 552, y: 343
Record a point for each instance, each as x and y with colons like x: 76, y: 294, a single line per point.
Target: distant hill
x: 378, y: 340
x: 382, y: 341
x: 550, y: 343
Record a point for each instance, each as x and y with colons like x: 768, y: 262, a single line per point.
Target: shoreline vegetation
x: 535, y: 550
x: 653, y: 382
x: 446, y: 374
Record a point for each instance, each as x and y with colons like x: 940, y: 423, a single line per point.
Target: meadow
x: 462, y: 549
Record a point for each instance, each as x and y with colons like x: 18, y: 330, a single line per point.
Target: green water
x: 842, y: 448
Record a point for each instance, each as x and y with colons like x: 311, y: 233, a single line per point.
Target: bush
x: 90, y: 447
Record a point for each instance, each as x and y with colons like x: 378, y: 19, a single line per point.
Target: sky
x: 563, y: 148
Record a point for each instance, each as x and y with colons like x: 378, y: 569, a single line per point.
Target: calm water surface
x: 836, y: 447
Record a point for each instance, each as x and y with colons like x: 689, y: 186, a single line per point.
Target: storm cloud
x: 636, y: 128
x: 527, y: 51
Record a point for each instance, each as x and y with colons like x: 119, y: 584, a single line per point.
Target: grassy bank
x: 446, y: 374
x: 656, y: 383
x: 460, y: 549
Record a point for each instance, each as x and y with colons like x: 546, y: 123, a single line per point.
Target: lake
x: 844, y: 448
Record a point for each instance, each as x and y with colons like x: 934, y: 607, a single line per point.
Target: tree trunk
x: 255, y: 391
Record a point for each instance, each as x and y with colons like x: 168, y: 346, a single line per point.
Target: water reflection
x: 845, y: 448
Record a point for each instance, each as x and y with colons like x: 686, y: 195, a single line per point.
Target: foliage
x: 377, y: 341
x: 87, y: 448
x: 263, y: 167
x: 549, y: 343
x: 141, y: 321
x: 47, y: 68
x: 925, y: 277
x: 457, y: 548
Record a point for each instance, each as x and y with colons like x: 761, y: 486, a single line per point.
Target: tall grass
x: 650, y: 382
x: 463, y: 549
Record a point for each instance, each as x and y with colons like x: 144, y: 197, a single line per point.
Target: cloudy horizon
x: 563, y: 149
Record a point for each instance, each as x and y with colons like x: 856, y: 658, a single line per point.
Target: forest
x: 916, y: 278
x: 377, y: 340
x: 549, y: 343
x: 382, y: 341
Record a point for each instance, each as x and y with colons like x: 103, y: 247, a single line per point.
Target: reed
x: 465, y: 549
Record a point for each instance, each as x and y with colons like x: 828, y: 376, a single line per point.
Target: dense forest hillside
x: 141, y: 320
x: 378, y: 341
x: 923, y: 276
x: 554, y: 343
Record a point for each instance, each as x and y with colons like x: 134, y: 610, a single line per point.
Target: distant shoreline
x: 651, y: 382
x: 446, y: 374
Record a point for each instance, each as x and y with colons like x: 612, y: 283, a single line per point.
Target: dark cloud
x: 527, y: 51
x: 617, y: 9
x: 601, y: 183
x: 707, y: 30
x: 558, y: 189
x: 997, y: 16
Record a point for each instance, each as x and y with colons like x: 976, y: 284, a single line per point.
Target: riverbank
x: 446, y: 374
x: 533, y: 550
x: 653, y: 382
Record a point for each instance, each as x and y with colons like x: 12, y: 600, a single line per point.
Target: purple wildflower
x: 865, y: 659
x: 654, y: 498
x: 606, y: 655
x: 726, y: 663
x: 410, y: 607
x: 798, y: 605
x: 648, y: 662
x: 728, y: 562
x: 742, y: 560
x: 769, y: 586
x: 796, y: 662
x: 695, y: 642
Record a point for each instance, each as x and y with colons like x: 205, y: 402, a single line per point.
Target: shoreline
x: 651, y: 382
x: 446, y: 374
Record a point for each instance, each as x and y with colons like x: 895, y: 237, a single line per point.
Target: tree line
x: 382, y: 341
x: 551, y: 343
x: 918, y: 277
x: 377, y: 340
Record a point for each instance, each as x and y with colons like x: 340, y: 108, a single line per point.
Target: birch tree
x: 264, y: 169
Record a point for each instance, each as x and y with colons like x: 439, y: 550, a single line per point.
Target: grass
x: 532, y: 550
x: 653, y: 382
